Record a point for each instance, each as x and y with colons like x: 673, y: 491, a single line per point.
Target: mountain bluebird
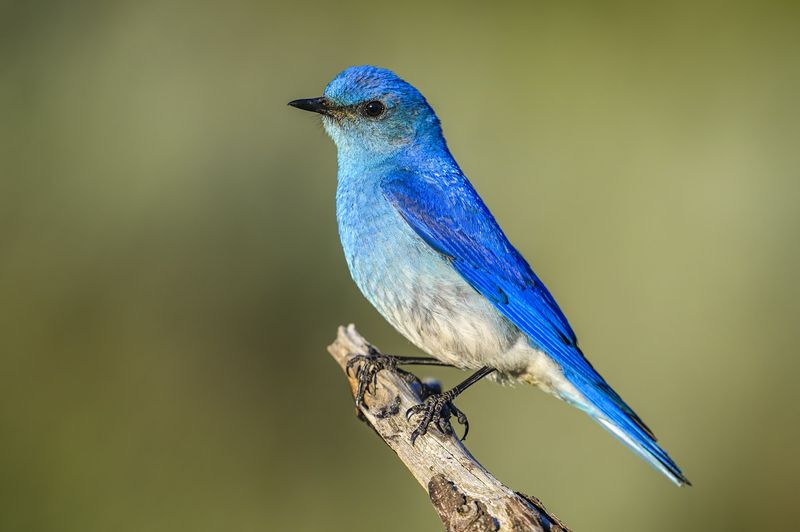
x: 427, y: 253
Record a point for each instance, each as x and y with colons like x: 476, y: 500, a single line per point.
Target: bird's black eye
x: 373, y: 109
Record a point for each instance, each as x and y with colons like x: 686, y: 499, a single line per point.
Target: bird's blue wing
x: 450, y: 217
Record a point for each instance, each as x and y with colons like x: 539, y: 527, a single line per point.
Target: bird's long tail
x: 608, y: 409
x: 648, y: 449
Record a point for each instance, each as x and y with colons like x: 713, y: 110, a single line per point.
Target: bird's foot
x: 367, y: 372
x: 437, y: 409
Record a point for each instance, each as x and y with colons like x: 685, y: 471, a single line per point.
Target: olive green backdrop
x: 171, y: 274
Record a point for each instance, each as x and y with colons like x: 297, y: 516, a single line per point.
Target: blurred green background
x: 171, y: 272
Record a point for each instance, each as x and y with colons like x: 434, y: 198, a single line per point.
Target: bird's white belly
x: 450, y: 320
x: 457, y: 325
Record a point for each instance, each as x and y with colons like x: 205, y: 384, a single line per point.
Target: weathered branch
x: 466, y: 496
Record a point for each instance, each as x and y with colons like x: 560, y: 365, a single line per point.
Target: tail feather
x: 616, y: 417
x: 649, y: 451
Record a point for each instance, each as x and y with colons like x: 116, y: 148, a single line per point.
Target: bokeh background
x: 171, y: 274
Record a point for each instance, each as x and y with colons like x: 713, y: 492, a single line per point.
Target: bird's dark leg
x: 370, y: 364
x: 420, y: 361
x: 438, y: 407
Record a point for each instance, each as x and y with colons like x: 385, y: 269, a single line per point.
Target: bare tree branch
x: 466, y: 496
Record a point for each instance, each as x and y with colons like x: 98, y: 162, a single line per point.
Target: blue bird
x: 426, y: 252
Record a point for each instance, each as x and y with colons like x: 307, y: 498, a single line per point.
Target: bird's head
x: 370, y: 112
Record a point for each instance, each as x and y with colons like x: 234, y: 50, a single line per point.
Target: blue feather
x: 418, y: 240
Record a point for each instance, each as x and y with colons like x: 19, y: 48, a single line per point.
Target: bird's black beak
x: 315, y: 105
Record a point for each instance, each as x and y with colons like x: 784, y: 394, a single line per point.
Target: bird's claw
x: 367, y: 372
x: 436, y: 409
